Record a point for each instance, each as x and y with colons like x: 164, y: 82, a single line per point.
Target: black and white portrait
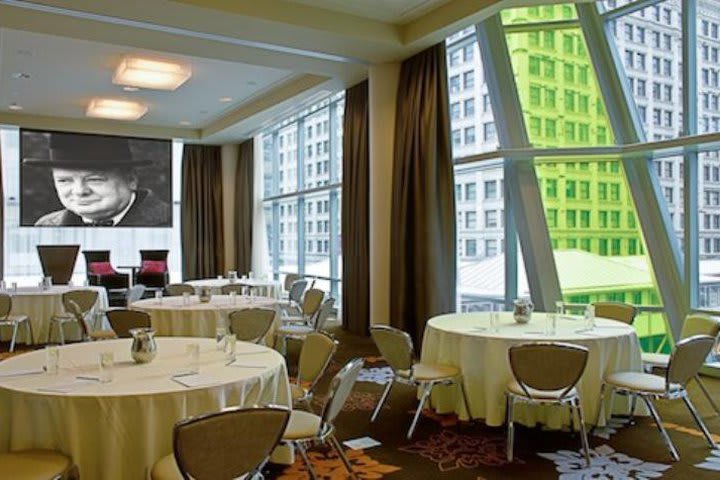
x: 70, y: 179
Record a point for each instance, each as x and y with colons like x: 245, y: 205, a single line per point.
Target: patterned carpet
x: 444, y: 448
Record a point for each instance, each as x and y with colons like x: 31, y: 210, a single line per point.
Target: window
x: 470, y: 247
x: 491, y: 248
x: 491, y: 219
x: 490, y: 189
x: 471, y: 220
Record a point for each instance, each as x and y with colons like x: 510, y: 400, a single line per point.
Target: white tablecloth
x: 40, y: 305
x: 118, y: 430
x: 482, y: 356
x: 172, y: 317
x: 270, y: 288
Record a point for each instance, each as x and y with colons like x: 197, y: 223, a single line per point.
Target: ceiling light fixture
x: 15, y: 107
x: 20, y: 76
x: 115, y: 109
x: 153, y: 74
x: 225, y: 99
x: 131, y: 89
x: 184, y: 122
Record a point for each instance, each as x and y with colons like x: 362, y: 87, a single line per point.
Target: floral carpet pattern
x: 605, y: 463
x: 452, y: 451
x: 327, y: 465
x: 356, y: 402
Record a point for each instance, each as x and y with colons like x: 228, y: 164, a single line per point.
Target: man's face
x: 93, y: 194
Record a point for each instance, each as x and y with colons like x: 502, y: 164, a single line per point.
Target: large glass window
x: 302, y: 158
x: 22, y: 264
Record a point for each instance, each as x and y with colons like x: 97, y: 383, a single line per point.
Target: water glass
x: 3, y: 285
x: 14, y: 286
x: 158, y: 296
x: 220, y: 337
x: 551, y: 324
x: 193, y: 357
x: 590, y: 317
x: 219, y: 277
x: 186, y: 298
x: 494, y: 321
x: 250, y: 274
x: 233, y: 297
x: 52, y: 359
x: 107, y: 364
x: 560, y: 307
x: 230, y: 344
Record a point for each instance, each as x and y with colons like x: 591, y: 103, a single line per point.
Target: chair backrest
x: 622, y: 312
x: 395, y: 346
x: 231, y: 287
x: 687, y: 357
x: 325, y: 310
x: 85, y: 300
x: 312, y: 300
x: 92, y: 256
x: 297, y: 290
x: 5, y: 305
x: 316, y: 353
x: 122, y: 320
x: 227, y: 444
x: 251, y: 324
x: 58, y: 261
x: 156, y: 255
x: 547, y: 366
x: 700, y: 324
x: 177, y: 289
x: 134, y: 293
x: 74, y: 309
x: 290, y: 278
x: 340, y: 388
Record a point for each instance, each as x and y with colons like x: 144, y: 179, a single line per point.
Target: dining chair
x: 84, y: 300
x: 37, y: 465
x: 306, y: 429
x: 232, y: 443
x: 316, y: 353
x: 310, y: 305
x: 232, y: 287
x: 299, y: 331
x: 122, y: 321
x: 177, y: 289
x: 546, y: 374
x: 694, y: 324
x: 134, y: 294
x: 295, y: 297
x: 290, y: 279
x: 396, y: 347
x: 685, y: 360
x: 88, y: 333
x: 251, y: 324
x: 14, y: 321
x: 622, y: 312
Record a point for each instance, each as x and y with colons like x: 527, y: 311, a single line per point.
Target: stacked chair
x: 77, y: 305
x: 14, y: 321
x: 314, y: 319
x: 177, y: 289
x: 316, y: 354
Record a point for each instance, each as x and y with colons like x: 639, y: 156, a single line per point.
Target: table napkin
x: 22, y: 371
x: 196, y: 380
x: 67, y: 386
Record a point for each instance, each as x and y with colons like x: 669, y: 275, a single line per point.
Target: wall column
x: 383, y: 82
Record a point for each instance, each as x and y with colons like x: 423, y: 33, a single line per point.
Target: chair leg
x: 510, y: 428
x: 427, y: 388
x: 306, y: 459
x: 583, y: 432
x: 14, y: 337
x: 29, y: 337
x: 61, y: 333
x: 699, y: 422
x: 663, y: 432
x: 633, y: 404
x: 383, y: 397
x: 338, y: 447
x: 707, y: 394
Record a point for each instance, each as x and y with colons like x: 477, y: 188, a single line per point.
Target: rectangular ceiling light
x: 115, y: 109
x: 153, y: 74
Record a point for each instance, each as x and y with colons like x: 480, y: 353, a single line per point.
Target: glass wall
x: 302, y: 157
x: 22, y: 264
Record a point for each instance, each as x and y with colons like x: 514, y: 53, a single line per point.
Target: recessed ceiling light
x: 154, y: 74
x: 15, y: 107
x: 225, y: 99
x: 20, y: 75
x: 115, y: 109
x: 131, y: 89
x: 184, y: 122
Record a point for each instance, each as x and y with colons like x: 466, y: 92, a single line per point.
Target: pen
x: 94, y: 379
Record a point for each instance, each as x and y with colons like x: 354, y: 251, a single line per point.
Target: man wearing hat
x: 96, y: 182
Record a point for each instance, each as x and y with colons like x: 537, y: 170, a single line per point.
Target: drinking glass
x: 560, y: 307
x: 186, y: 298
x: 158, y: 296
x: 551, y: 324
x: 52, y: 359
x: 3, y: 285
x: 107, y: 365
x: 230, y: 344
x: 494, y: 321
x: 590, y: 317
x: 233, y: 297
x: 193, y: 357
x: 14, y: 286
x: 220, y: 337
x: 219, y: 277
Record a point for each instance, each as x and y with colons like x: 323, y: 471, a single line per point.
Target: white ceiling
x: 390, y: 11
x: 65, y: 73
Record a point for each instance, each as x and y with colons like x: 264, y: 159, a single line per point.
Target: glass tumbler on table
x: 193, y: 357
x: 158, y: 296
x: 494, y: 318
x: 551, y: 324
x: 52, y: 359
x: 106, y: 363
x: 186, y: 298
x: 230, y: 345
x: 220, y: 337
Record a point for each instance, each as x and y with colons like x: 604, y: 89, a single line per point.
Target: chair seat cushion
x: 102, y: 334
x: 641, y: 382
x: 33, y: 465
x: 294, y: 330
x: 515, y: 388
x: 166, y: 469
x: 297, y: 391
x: 302, y: 425
x: 14, y: 319
x: 428, y: 371
x: 656, y: 359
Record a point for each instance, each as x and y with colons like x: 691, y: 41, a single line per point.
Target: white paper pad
x: 246, y: 363
x: 196, y: 380
x: 361, y: 443
x: 25, y: 371
x: 715, y: 466
x: 67, y: 386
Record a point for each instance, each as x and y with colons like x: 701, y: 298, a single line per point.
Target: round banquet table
x: 465, y: 341
x: 270, y: 288
x: 172, y: 317
x: 40, y: 305
x: 118, y: 430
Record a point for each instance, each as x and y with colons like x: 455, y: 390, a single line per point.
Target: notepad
x: 196, y: 380
x: 20, y: 372
x: 67, y: 386
x: 361, y: 443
